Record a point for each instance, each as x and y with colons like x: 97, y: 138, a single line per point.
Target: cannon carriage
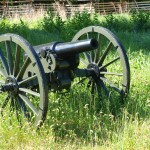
x: 94, y: 57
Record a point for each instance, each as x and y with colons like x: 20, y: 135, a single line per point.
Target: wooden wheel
x: 109, y: 61
x: 19, y: 96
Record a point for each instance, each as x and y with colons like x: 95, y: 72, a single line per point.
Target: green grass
x: 72, y: 123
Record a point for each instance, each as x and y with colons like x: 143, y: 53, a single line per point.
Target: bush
x: 4, y: 26
x: 48, y: 21
x: 52, y: 23
x: 79, y: 21
x: 111, y: 21
x: 67, y: 29
x: 140, y: 20
x: 20, y: 28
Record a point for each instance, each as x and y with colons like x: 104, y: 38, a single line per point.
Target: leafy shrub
x: 79, y: 21
x: 20, y: 28
x: 95, y: 19
x: 123, y: 24
x: 111, y: 21
x: 52, y: 23
x: 140, y: 20
x: 48, y: 21
x: 59, y: 23
x: 4, y: 25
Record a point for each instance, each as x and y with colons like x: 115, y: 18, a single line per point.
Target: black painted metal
x: 62, y: 49
x: 75, y: 47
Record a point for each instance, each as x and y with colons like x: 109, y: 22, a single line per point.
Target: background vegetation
x: 66, y: 29
x: 70, y: 123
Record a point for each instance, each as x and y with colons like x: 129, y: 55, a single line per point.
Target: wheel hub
x: 97, y: 71
x: 10, y: 85
x: 95, y: 68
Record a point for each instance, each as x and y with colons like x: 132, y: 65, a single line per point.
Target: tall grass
x: 72, y: 123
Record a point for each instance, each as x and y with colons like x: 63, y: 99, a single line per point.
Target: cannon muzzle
x: 63, y: 49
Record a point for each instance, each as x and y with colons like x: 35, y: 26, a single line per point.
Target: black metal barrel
x: 68, y: 48
x: 75, y: 47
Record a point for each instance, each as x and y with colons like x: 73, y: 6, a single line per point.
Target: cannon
x: 95, y: 57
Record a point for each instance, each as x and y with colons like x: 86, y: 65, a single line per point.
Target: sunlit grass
x: 75, y: 122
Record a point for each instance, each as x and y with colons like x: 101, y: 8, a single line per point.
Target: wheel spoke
x: 3, y: 72
x: 11, y: 105
x: 11, y: 109
x: 87, y: 56
x: 101, y: 85
x: 2, y: 81
x: 5, y: 103
x: 97, y: 53
x: 23, y: 108
x: 28, y: 103
x: 98, y: 89
x: 106, y: 65
x: 112, y: 73
x: 87, y: 35
x: 101, y: 60
x: 17, y: 60
x: 17, y: 108
x: 9, y: 56
x: 84, y: 62
x: 93, y: 90
x: 110, y: 84
x: 91, y: 57
x: 81, y: 81
x: 27, y: 80
x: 23, y: 68
x: 4, y: 62
x: 29, y: 92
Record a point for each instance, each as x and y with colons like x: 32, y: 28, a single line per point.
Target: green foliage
x: 6, y: 26
x: 73, y: 122
x: 59, y: 23
x: 66, y: 29
x: 117, y: 22
x: 48, y: 22
x: 140, y: 20
x: 52, y: 23
x: 78, y: 21
x: 20, y: 28
x: 111, y: 21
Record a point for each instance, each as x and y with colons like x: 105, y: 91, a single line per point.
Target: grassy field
x: 116, y: 126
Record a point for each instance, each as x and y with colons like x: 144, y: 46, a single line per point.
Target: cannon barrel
x: 75, y: 47
x: 62, y: 49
